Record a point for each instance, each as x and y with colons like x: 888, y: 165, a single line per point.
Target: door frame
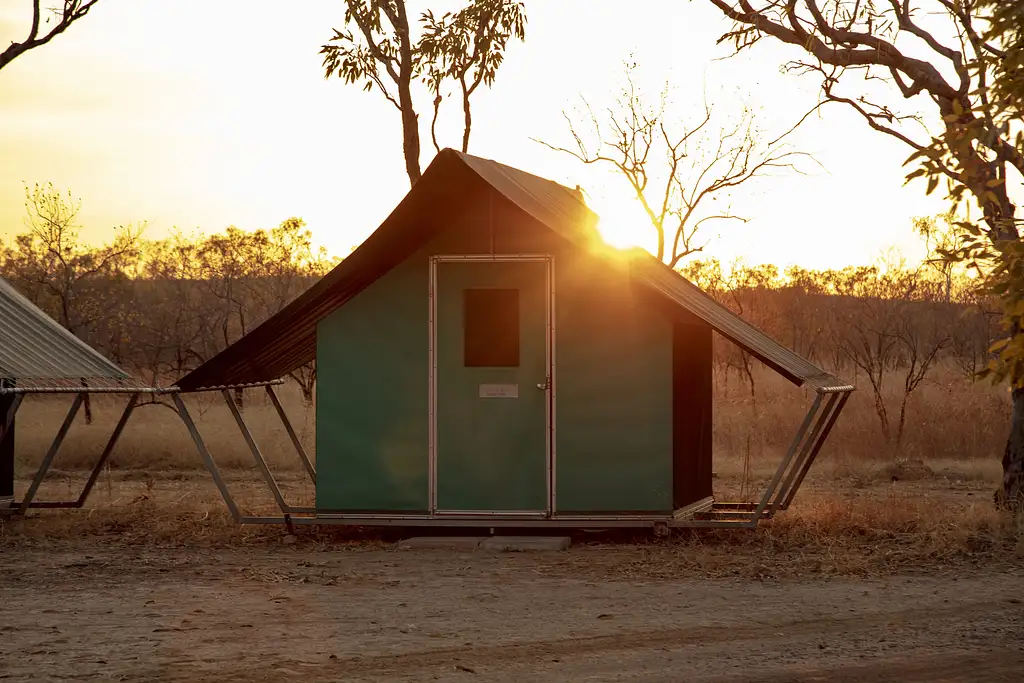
x: 549, y: 403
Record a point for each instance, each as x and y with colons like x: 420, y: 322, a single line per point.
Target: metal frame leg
x: 12, y: 410
x: 822, y: 435
x: 52, y: 453
x: 204, y: 453
x: 256, y: 454
x: 291, y: 434
x: 805, y: 453
x: 108, y: 449
x: 98, y: 467
x: 790, y: 453
x: 7, y: 456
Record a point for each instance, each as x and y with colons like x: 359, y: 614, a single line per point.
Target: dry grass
x: 862, y: 509
x: 155, y: 438
x: 952, y: 422
x: 886, y: 529
x: 956, y: 429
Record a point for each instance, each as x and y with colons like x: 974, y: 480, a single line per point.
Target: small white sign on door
x: 499, y: 391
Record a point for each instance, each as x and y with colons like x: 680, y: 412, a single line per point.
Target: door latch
x: 545, y: 385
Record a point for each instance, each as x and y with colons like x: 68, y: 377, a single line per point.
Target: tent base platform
x: 708, y: 515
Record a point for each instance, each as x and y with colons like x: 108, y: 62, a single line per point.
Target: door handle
x: 545, y: 385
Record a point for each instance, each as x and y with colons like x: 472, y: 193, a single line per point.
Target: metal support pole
x: 8, y: 417
x: 805, y: 452
x: 205, y: 454
x: 291, y: 434
x: 105, y: 455
x: 814, y: 453
x: 256, y: 454
x: 52, y: 453
x: 9, y: 405
x: 800, y: 434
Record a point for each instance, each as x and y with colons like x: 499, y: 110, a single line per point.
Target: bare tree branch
x: 696, y: 166
x: 69, y: 13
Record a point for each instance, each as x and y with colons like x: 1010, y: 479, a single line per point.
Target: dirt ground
x: 284, y: 613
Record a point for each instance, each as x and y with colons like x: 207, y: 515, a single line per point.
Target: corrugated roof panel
x: 671, y: 284
x: 34, y: 346
x: 549, y: 202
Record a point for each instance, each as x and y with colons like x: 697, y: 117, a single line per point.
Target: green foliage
x: 465, y: 47
x: 1002, y: 264
x: 981, y: 146
x: 469, y: 45
x: 961, y: 61
x: 1006, y: 29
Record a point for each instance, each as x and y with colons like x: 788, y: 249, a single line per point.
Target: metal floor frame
x: 28, y: 501
x: 803, y: 450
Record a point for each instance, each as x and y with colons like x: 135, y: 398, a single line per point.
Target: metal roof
x: 287, y: 340
x: 33, y: 346
x: 675, y: 287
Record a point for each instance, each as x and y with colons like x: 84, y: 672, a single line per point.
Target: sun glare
x: 622, y: 222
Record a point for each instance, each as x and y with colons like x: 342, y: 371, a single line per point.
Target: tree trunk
x: 467, y: 118
x: 410, y: 122
x: 1011, y: 496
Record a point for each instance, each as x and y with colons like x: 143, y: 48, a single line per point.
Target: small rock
x: 289, y: 539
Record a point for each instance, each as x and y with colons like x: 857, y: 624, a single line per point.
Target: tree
x: 62, y: 18
x: 466, y: 47
x: 79, y: 286
x: 697, y: 167
x: 959, y: 62
x: 58, y: 268
x: 942, y: 234
x: 250, y: 276
x: 891, y: 323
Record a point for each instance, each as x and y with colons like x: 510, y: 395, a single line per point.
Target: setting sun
x: 622, y: 222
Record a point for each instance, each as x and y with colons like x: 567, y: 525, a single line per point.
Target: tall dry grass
x: 955, y: 428
x: 157, y: 440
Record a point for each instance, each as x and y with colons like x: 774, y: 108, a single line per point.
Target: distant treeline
x: 160, y: 308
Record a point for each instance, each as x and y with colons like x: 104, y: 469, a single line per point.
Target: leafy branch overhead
x: 463, y: 49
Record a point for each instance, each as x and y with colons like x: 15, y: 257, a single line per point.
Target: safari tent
x: 483, y: 358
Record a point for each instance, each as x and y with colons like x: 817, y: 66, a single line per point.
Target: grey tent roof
x: 287, y: 340
x: 33, y: 346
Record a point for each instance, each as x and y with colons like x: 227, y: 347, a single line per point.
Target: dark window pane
x: 491, y: 328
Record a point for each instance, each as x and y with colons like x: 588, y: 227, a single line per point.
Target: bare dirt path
x: 280, y: 614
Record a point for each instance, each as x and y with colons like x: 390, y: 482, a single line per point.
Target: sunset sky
x: 199, y: 114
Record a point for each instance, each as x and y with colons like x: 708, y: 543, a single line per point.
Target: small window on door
x: 491, y: 328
